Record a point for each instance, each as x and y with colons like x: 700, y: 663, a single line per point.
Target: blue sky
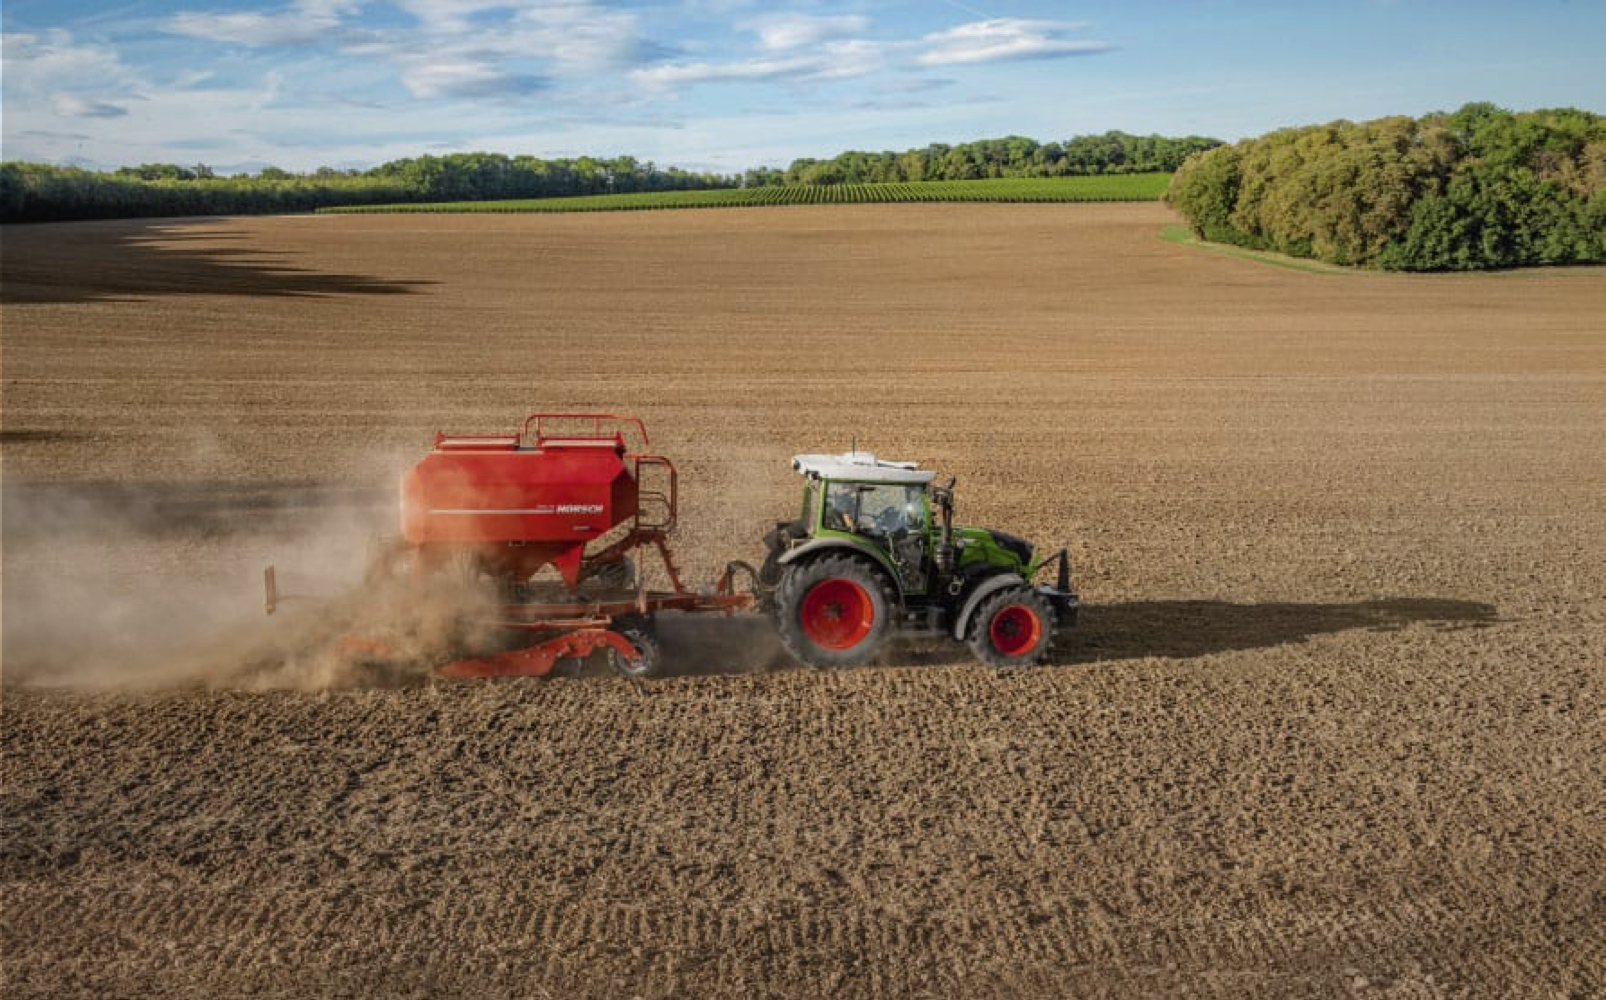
x: 727, y: 84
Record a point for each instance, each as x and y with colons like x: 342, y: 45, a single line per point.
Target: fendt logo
x: 579, y: 508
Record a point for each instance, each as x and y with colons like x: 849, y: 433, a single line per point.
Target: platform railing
x: 657, y: 505
x: 614, y: 422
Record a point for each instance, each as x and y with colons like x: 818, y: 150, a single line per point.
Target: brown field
x: 1331, y: 725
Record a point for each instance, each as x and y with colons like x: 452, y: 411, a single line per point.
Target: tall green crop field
x: 1118, y: 187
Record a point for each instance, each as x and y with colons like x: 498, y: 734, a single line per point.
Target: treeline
x: 1013, y: 156
x: 1480, y: 188
x: 494, y: 176
x: 31, y: 192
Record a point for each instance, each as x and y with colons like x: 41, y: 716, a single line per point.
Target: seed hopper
x: 508, y: 506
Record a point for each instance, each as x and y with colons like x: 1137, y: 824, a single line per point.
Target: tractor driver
x: 842, y: 507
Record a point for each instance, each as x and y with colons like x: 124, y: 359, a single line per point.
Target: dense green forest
x: 37, y: 192
x: 1480, y: 188
x: 1014, y: 156
x: 32, y: 192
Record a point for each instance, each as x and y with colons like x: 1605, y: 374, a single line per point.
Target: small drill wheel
x: 569, y: 666
x: 619, y: 575
x: 639, y: 633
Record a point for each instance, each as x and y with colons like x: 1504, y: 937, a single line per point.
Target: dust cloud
x: 138, y: 585
x: 161, y: 586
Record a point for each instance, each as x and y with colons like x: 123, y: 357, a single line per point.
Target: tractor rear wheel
x: 1012, y: 628
x: 835, y: 611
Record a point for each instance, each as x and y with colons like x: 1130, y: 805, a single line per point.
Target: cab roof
x: 861, y: 466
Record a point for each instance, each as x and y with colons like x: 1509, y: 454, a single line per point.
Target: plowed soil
x: 1330, y: 726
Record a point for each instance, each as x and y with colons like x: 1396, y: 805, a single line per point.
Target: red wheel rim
x: 1015, y: 630
x: 836, y: 613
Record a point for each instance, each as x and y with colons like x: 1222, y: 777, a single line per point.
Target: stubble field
x: 1330, y: 726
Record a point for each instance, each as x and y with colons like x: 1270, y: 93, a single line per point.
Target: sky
x: 725, y: 84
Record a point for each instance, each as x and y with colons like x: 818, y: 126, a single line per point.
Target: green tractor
x: 875, y: 553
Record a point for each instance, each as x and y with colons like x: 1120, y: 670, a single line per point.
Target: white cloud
x: 47, y: 103
x: 1006, y: 38
x: 467, y: 78
x: 83, y: 106
x: 271, y: 84
x: 36, y: 64
x: 789, y: 31
x: 804, y: 48
x: 850, y: 58
x: 915, y: 85
x: 447, y: 55
x: 305, y: 22
x: 577, y: 37
x: 449, y: 15
x: 671, y: 74
x: 832, y: 61
x: 248, y: 28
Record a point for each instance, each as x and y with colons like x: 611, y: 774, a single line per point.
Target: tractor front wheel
x: 1012, y: 628
x: 835, y: 611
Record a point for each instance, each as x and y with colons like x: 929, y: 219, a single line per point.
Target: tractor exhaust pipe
x: 945, y: 545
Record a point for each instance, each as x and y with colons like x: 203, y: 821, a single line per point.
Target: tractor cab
x: 883, y: 508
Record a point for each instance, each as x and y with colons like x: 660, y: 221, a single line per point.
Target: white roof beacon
x: 861, y: 466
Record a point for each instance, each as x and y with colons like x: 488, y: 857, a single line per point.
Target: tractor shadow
x: 81, y: 262
x: 1181, y: 630
x: 1177, y: 630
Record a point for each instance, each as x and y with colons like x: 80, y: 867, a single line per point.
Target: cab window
x: 874, y: 509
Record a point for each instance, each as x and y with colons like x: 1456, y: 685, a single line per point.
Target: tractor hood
x: 1000, y: 548
x: 1021, y: 548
